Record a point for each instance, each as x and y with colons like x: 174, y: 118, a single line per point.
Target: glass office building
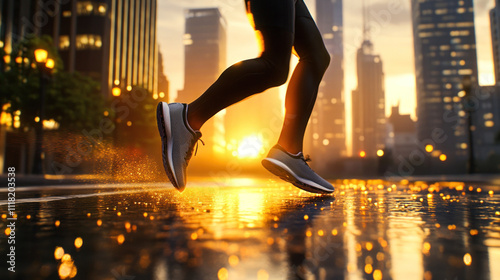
x: 445, y: 57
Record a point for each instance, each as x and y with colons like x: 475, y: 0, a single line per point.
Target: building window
x: 88, y: 41
x: 64, y: 42
x: 86, y: 8
x: 489, y: 124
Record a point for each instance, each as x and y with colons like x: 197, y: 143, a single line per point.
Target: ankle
x: 291, y: 149
x: 192, y: 120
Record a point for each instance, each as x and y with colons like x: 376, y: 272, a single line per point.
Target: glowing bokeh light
x: 78, y: 242
x: 250, y: 147
x: 467, y: 259
x: 58, y: 253
x: 380, y: 153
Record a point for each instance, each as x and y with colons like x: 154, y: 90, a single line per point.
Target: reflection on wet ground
x: 256, y: 229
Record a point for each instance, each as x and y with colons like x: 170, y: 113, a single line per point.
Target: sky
x: 391, y: 34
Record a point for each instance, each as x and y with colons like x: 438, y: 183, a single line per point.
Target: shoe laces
x: 305, y: 158
x: 194, y: 142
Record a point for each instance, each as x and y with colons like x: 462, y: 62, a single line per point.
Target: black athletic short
x: 276, y: 13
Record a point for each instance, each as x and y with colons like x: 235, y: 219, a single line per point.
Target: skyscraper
x: 205, y: 51
x: 112, y: 41
x: 495, y: 38
x: 368, y: 103
x: 204, y: 61
x: 327, y: 126
x: 445, y: 57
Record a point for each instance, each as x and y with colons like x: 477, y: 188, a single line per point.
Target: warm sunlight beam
x: 250, y: 147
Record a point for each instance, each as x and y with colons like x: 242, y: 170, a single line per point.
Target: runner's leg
x: 303, y: 86
x: 274, y: 21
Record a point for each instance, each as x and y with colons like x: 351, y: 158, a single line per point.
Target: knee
x: 322, y: 60
x: 277, y: 74
x: 319, y: 60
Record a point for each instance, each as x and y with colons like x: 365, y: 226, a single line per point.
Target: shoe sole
x: 281, y: 170
x: 165, y: 129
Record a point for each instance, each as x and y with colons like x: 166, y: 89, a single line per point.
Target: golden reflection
x: 426, y: 249
x: 377, y: 275
x: 233, y: 260
x: 375, y: 227
x: 58, y: 253
x: 467, y: 259
x: 262, y: 274
x: 223, y: 274
x: 57, y: 223
x: 369, y: 246
x: 78, y: 242
x: 67, y: 268
x: 194, y: 236
x: 120, y: 239
x: 368, y: 268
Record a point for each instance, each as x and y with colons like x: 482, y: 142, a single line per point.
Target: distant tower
x: 495, y: 38
x: 205, y: 51
x: 445, y: 54
x: 204, y: 61
x: 368, y: 101
x: 327, y: 127
x: 404, y: 134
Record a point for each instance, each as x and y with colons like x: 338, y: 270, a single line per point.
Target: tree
x: 72, y: 100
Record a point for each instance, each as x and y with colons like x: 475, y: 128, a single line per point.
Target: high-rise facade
x: 133, y: 49
x: 112, y: 41
x: 495, y: 38
x: 204, y: 61
x: 205, y: 51
x: 327, y: 127
x: 445, y: 58
x: 368, y: 104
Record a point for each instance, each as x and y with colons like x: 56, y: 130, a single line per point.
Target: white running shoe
x: 178, y: 141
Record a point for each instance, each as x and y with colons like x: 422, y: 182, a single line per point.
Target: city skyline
x: 393, y: 39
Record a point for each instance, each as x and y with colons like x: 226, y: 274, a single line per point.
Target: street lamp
x: 45, y: 66
x: 116, y: 92
x: 469, y: 107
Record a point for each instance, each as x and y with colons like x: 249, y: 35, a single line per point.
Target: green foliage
x: 74, y: 101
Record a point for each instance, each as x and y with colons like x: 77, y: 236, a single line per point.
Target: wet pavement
x: 254, y: 229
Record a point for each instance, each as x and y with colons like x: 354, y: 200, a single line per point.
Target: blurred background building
x: 402, y: 132
x: 326, y: 130
x: 368, y: 101
x: 445, y: 56
x: 495, y: 38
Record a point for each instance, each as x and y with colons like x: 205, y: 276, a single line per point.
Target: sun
x: 250, y: 147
